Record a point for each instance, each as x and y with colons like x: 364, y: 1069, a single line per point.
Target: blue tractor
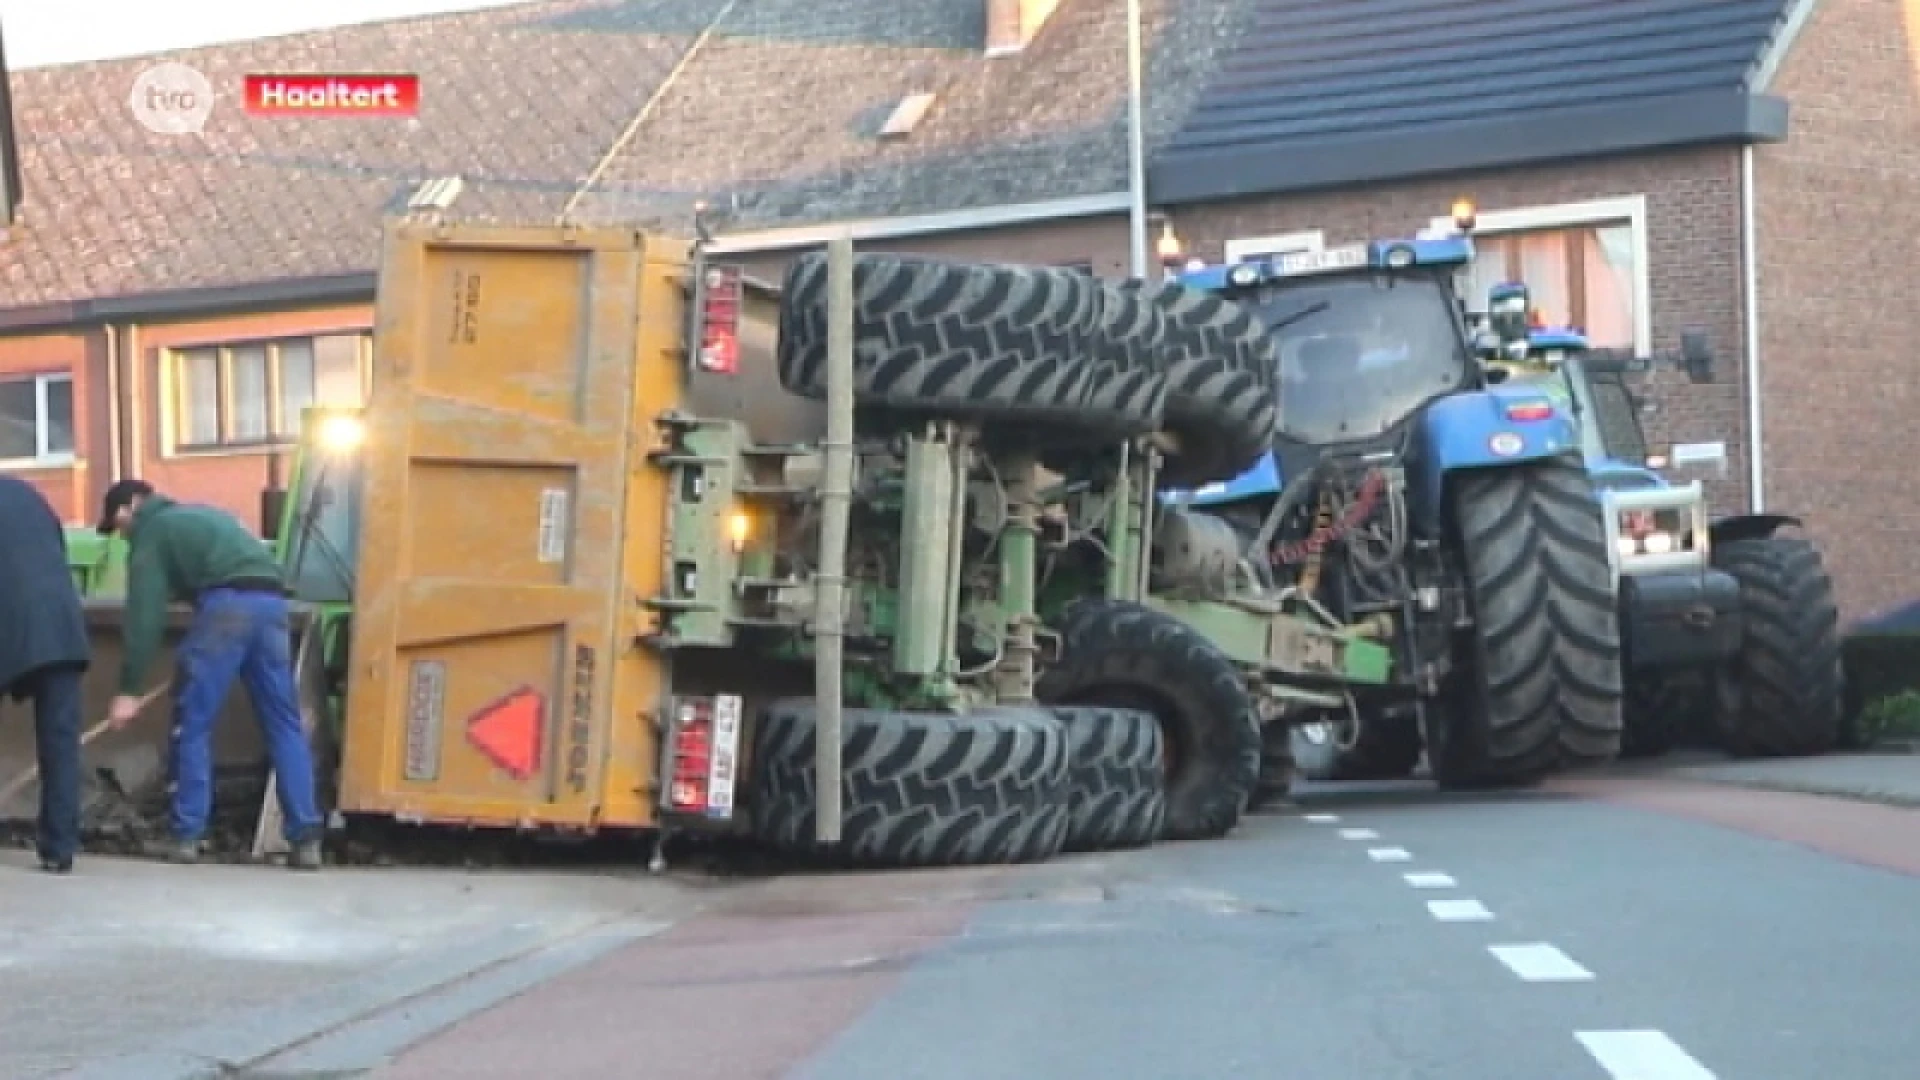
x: 1730, y: 628
x: 1412, y: 493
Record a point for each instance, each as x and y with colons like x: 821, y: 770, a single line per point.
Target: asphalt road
x: 1637, y: 926
x: 1395, y: 937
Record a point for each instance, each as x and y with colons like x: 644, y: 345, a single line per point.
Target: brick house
x: 1648, y: 165
x: 169, y: 303
x: 1750, y: 167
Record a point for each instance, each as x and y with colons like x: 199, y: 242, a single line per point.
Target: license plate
x: 1318, y: 262
x: 726, y: 756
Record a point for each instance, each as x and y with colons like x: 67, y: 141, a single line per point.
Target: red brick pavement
x: 742, y: 994
x: 1875, y: 835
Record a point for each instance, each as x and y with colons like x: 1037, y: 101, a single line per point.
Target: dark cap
x: 119, y: 497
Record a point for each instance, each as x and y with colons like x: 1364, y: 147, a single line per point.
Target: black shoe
x: 56, y: 866
x: 305, y: 856
x: 184, y: 852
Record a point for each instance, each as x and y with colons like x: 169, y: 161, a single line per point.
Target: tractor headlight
x: 1653, y: 532
x: 342, y: 434
x: 1243, y: 275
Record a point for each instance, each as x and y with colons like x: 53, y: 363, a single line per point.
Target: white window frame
x: 42, y: 457
x: 1631, y: 209
x: 1242, y: 248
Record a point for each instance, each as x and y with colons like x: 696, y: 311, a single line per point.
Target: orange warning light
x: 509, y: 732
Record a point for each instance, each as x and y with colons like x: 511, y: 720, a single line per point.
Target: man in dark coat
x: 43, y: 653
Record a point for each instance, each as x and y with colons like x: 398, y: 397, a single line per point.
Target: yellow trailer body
x: 513, y: 529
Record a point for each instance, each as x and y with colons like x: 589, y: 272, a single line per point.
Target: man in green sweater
x: 204, y: 556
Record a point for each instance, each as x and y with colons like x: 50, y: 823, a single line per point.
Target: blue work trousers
x: 246, y: 634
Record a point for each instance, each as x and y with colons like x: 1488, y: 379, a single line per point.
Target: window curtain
x: 1609, y: 274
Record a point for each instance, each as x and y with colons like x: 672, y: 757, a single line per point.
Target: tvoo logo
x: 171, y: 98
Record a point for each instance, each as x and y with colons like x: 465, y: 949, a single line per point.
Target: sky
x: 41, y: 32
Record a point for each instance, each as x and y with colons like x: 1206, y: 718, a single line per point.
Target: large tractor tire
x: 918, y: 789
x: 1125, y: 655
x: 1781, y: 694
x: 1538, y: 686
x: 1116, y: 793
x: 1388, y: 747
x: 1220, y: 366
x: 984, y: 344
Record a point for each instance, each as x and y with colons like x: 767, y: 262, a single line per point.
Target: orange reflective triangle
x: 509, y: 732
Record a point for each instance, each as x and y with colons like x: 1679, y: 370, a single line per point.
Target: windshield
x: 324, y: 546
x: 1358, y: 353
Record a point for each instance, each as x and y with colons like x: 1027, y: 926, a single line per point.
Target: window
x: 253, y: 393
x: 1584, y: 264
x: 1580, y: 276
x: 36, y: 419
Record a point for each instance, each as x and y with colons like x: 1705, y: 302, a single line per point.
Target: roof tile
x: 774, y: 118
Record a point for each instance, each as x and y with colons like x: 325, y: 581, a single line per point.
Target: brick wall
x: 231, y: 480
x: 66, y: 488
x: 1838, y: 230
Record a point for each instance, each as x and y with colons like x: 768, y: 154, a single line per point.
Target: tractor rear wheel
x: 1126, y: 655
x: 919, y: 789
x: 1540, y: 685
x: 1781, y: 694
x: 1116, y: 792
x: 1022, y: 348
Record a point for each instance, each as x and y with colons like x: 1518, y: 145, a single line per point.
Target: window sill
x: 262, y: 449
x: 56, y: 463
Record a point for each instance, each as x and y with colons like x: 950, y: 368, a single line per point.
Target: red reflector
x: 692, y: 750
x: 1529, y: 410
x: 721, y: 297
x: 509, y: 732
x: 1637, y: 522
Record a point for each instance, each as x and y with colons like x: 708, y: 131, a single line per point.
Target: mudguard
x: 1475, y: 430
x: 1260, y: 481
x: 1736, y: 527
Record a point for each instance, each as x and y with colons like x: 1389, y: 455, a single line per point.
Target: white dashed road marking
x: 1459, y: 910
x: 1359, y: 834
x: 1430, y: 879
x: 1323, y: 819
x: 1389, y: 854
x: 1540, y: 962
x: 1641, y: 1055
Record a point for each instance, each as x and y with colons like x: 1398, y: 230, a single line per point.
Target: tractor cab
x: 1365, y: 335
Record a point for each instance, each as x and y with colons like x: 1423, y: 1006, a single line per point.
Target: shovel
x: 19, y: 783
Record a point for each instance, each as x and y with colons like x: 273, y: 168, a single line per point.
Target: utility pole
x: 1136, y: 143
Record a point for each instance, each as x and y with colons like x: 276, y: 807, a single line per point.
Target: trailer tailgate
x: 511, y: 526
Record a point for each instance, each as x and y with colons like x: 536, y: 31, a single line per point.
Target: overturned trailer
x: 620, y: 533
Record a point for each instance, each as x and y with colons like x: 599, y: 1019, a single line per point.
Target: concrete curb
x: 1902, y: 799
x: 447, y: 987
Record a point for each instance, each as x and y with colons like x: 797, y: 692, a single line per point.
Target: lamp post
x: 1136, y: 144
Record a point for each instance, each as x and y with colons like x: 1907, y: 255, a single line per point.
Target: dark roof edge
x: 1649, y: 124
x: 12, y: 191
x: 214, y: 299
